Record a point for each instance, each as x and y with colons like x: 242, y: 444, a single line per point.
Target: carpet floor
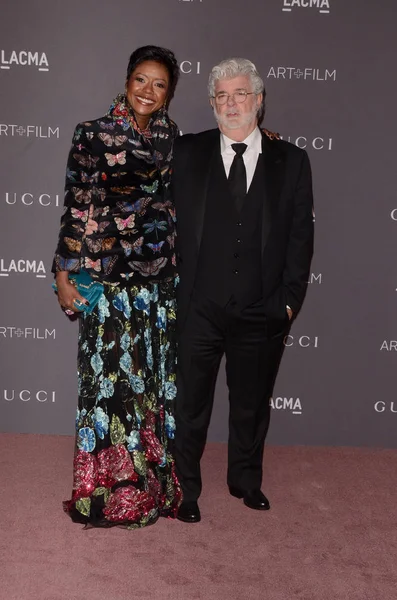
x: 330, y: 535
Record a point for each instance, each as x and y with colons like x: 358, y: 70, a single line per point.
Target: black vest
x: 230, y: 261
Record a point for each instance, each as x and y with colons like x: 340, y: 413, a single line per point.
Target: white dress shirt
x: 250, y: 156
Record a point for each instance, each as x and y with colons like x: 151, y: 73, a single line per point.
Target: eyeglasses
x: 238, y: 97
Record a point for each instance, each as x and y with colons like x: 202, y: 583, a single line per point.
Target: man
x: 245, y: 242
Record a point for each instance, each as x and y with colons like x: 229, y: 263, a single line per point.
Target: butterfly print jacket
x: 124, y: 174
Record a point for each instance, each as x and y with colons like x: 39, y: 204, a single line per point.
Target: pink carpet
x: 331, y: 533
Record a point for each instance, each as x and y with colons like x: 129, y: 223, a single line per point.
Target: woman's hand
x: 67, y: 293
x: 271, y: 134
x: 92, y: 225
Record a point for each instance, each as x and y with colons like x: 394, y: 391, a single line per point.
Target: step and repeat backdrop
x: 328, y: 67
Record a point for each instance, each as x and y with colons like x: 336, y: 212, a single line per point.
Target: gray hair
x: 233, y: 67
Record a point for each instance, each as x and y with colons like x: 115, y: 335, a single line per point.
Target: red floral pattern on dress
x: 85, y: 474
x: 154, y: 451
x: 128, y: 504
x: 114, y: 465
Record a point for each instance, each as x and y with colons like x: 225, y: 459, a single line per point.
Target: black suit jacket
x: 287, y: 221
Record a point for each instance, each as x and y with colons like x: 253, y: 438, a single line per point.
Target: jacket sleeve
x: 81, y: 176
x: 300, y: 243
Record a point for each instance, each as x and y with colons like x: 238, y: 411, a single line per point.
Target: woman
x: 118, y: 172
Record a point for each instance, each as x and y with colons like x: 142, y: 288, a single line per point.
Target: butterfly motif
x: 119, y: 173
x: 155, y: 225
x: 95, y: 245
x: 135, y: 143
x: 171, y: 240
x: 150, y: 189
x: 156, y: 247
x: 73, y: 245
x: 143, y: 154
x: 81, y: 195
x: 103, y: 225
x: 86, y: 161
x: 164, y: 206
x: 66, y: 264
x: 147, y: 175
x: 77, y: 134
x: 71, y: 175
x: 123, y: 124
x: 132, y: 247
x: 138, y: 206
x: 126, y: 190
x: 127, y: 223
x: 114, y: 159
x: 164, y: 170
x: 109, y: 140
x: 172, y: 212
x: 85, y: 178
x: 92, y: 264
x: 108, y: 263
x: 79, y: 214
x: 109, y: 126
x: 89, y: 135
x: 147, y: 268
x: 100, y: 193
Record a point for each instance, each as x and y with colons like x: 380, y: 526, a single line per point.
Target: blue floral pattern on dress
x: 86, y: 439
x: 170, y: 390
x: 161, y: 322
x: 134, y: 441
x: 101, y: 422
x: 142, y: 301
x: 137, y: 384
x: 170, y: 426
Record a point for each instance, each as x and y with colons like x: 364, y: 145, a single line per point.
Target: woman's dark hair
x: 160, y: 55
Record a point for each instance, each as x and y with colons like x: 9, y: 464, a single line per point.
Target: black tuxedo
x: 239, y: 271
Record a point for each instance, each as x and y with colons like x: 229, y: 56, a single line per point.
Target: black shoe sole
x: 195, y: 519
x: 256, y: 507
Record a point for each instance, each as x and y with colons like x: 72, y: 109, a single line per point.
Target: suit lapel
x: 274, y: 166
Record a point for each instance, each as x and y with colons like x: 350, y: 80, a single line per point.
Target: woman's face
x: 147, y: 90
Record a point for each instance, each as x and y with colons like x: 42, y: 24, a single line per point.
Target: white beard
x: 241, y: 120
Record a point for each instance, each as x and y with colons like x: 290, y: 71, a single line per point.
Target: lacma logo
x: 292, y: 404
x: 321, y: 5
x: 8, y: 267
x: 24, y: 58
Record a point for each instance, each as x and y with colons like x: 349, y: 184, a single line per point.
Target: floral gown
x: 123, y: 466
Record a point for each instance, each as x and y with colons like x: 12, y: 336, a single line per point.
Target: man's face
x: 234, y: 115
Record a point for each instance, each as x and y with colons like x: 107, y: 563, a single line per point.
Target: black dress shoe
x: 254, y: 499
x: 189, y: 512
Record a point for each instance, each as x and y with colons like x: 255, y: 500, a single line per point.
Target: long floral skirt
x: 123, y: 467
